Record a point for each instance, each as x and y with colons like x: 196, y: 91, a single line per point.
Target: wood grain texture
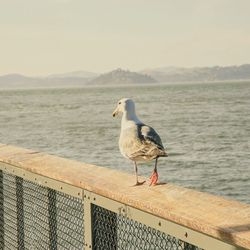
x: 220, y: 218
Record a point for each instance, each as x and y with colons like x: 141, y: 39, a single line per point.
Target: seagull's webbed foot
x: 153, y: 178
x: 139, y: 183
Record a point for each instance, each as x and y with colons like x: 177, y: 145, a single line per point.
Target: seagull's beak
x: 115, y: 113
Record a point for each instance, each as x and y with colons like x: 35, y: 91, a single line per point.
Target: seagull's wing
x: 150, y: 136
x: 151, y: 145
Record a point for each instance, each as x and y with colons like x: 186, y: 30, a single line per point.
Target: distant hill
x: 120, y: 76
x: 205, y: 74
x: 15, y: 80
x: 74, y: 79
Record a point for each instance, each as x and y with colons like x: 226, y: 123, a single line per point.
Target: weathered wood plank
x: 218, y: 217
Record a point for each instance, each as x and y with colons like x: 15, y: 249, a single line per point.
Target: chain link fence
x: 36, y: 217
x: 112, y: 231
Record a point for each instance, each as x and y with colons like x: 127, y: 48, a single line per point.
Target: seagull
x: 138, y: 142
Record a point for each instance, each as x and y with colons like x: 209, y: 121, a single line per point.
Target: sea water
x: 205, y: 128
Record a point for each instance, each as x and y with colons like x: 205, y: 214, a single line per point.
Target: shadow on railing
x: 228, y: 233
x: 47, y: 202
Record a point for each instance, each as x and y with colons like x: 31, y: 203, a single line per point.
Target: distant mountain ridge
x: 200, y: 74
x: 76, y: 78
x: 119, y: 76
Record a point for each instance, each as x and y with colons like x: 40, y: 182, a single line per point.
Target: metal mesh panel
x: 1, y: 209
x: 36, y: 217
x: 112, y: 231
x: 104, y: 228
x: 70, y: 229
x: 10, y: 239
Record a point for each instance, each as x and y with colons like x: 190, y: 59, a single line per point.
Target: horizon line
x: 122, y: 68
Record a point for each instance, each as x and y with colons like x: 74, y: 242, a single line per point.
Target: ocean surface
x: 205, y: 127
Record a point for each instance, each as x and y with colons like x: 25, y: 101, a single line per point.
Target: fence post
x: 87, y: 220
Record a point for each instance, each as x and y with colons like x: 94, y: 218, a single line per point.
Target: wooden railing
x: 75, y: 205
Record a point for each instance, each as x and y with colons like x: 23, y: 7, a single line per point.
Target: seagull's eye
x: 119, y: 103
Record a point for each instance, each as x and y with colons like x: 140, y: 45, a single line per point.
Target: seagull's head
x: 124, y: 105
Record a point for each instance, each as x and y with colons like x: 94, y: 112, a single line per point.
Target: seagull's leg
x: 154, y: 176
x: 136, y: 176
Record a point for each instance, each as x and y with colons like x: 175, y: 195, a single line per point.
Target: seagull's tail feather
x: 162, y: 153
x: 148, y: 152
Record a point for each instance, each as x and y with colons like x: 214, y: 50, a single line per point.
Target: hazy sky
x: 40, y: 37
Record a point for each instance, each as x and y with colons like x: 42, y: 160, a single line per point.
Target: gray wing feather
x: 150, y: 135
x: 151, y: 144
